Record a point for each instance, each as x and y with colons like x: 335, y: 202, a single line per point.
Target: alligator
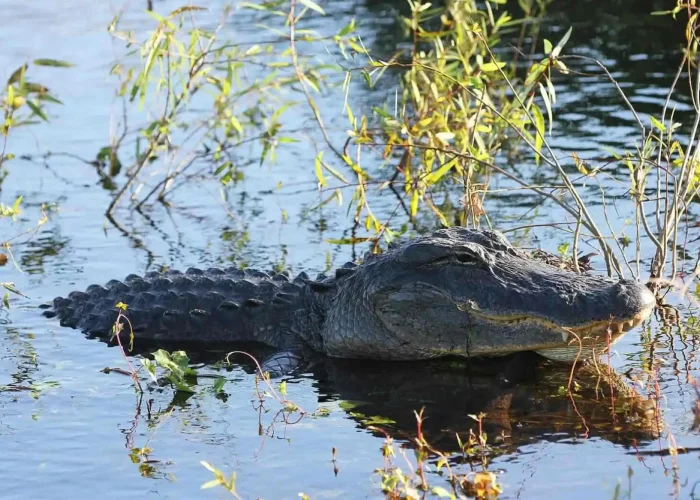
x: 456, y: 292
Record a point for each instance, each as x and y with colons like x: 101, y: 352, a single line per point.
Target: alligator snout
x: 633, y: 300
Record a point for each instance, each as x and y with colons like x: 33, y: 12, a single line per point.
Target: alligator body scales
x: 456, y: 292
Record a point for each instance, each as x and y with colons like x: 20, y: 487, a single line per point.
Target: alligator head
x: 470, y: 293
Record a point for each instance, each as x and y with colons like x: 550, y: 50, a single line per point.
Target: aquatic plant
x: 23, y: 103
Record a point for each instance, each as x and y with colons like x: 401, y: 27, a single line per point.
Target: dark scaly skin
x: 456, y: 292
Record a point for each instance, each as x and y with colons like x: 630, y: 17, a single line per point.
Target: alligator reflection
x: 602, y: 403
x: 525, y: 400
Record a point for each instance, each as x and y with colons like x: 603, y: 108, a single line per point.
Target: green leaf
x: 547, y: 46
x: 16, y: 204
x: 37, y: 110
x: 219, y: 384
x: 539, y: 125
x: 187, y: 8
x: 557, y: 50
x: 349, y: 28
x: 210, y: 484
x: 17, y: 75
x: 150, y: 367
x: 181, y: 385
x: 656, y: 123
x: 319, y: 170
x: 547, y: 105
x: 177, y: 362
x: 561, y: 67
x: 438, y: 174
x: 563, y: 249
x: 53, y: 62
x: 313, y: 6
x: 492, y: 66
x: 415, y: 198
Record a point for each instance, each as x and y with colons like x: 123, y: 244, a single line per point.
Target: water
x: 67, y: 428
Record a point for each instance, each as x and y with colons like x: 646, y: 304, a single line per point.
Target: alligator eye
x: 466, y: 258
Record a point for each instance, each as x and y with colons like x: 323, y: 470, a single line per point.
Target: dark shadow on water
x: 525, y: 411
x: 525, y: 398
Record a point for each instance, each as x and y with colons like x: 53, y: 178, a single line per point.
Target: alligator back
x: 197, y: 305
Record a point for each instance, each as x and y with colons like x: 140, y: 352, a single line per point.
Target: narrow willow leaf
x: 313, y: 6
x: 415, y: 198
x: 349, y: 28
x: 319, y: 170
x: 656, y: 123
x: 438, y: 174
x: 335, y: 173
x: 210, y: 484
x: 187, y: 8
x: 37, y: 110
x: 562, y: 67
x: 547, y: 105
x: 557, y: 50
x: 53, y: 62
x: 16, y: 204
x: 17, y: 75
x: 539, y: 125
x: 552, y: 92
x: 492, y: 66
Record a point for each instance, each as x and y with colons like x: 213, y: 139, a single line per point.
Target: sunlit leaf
x: 441, y: 492
x: 492, y: 66
x: 557, y: 50
x: 150, y: 367
x: 319, y: 170
x: 313, y: 6
x: 438, y: 174
x: 547, y: 105
x: 547, y: 46
x: 415, y: 198
x: 210, y: 484
x: 540, y: 126
x: 656, y: 123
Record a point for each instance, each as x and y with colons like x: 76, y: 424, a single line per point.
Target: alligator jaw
x: 577, y: 342
x: 613, y: 326
x: 588, y: 341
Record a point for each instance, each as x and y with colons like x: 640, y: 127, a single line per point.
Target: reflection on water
x: 65, y: 425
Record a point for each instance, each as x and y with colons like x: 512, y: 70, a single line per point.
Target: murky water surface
x: 68, y: 430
